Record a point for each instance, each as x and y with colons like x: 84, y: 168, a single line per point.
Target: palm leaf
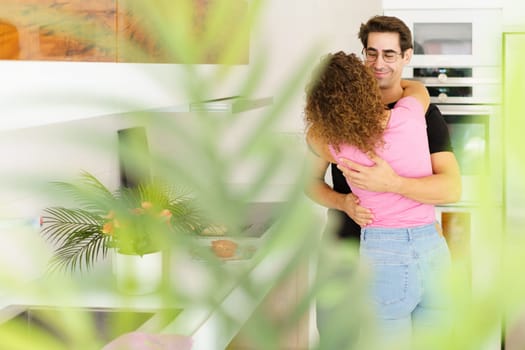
x: 78, y: 235
x: 89, y: 193
x: 186, y: 217
x: 60, y: 223
x: 78, y: 232
x: 80, y: 251
x: 179, y: 194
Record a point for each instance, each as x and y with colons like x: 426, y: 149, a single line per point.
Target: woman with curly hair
x: 345, y: 118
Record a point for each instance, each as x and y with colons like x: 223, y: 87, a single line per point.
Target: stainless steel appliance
x: 454, y: 37
x: 473, y: 116
x: 459, y: 85
x: 475, y: 132
x: 457, y: 56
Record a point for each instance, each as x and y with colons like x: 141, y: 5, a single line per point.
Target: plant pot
x: 138, y: 275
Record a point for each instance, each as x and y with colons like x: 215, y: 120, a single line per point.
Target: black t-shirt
x: 438, y: 141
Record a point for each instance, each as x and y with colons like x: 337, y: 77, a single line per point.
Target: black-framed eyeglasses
x: 389, y: 56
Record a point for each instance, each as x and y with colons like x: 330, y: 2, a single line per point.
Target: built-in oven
x: 469, y: 100
x: 475, y: 133
x: 454, y: 37
x: 459, y: 85
x: 457, y: 55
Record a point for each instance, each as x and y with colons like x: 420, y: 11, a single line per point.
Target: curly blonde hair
x: 343, y: 103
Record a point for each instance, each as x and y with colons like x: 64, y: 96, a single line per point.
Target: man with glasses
x: 389, y: 56
x: 387, y: 48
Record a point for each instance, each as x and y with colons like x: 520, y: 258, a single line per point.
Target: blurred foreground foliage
x: 208, y: 151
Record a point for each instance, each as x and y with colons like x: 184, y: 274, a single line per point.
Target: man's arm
x: 320, y: 192
x: 443, y: 186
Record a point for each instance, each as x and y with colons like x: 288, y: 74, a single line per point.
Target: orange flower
x: 108, y: 228
x: 146, y: 205
x: 166, y: 215
x: 143, y: 207
x: 137, y: 211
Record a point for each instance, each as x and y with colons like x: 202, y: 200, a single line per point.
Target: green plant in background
x: 135, y: 221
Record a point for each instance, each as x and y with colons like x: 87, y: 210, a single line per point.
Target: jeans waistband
x: 399, y: 234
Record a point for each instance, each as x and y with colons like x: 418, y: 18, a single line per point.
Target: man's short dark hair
x: 386, y: 24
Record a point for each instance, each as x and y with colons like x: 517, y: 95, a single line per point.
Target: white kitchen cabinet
x: 442, y: 4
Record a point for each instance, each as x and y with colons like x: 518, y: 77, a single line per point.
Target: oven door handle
x: 465, y: 109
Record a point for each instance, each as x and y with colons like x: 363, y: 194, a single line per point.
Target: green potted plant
x: 133, y: 221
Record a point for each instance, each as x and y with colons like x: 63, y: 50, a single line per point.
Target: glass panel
x: 457, y: 231
x: 449, y: 72
x: 450, y: 91
x: 443, y: 38
x: 469, y: 136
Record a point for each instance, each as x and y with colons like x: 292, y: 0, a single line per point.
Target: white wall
x: 47, y: 107
x: 513, y: 10
x: 292, y: 27
x: 31, y: 158
x: 36, y: 93
x: 442, y: 4
x: 514, y: 14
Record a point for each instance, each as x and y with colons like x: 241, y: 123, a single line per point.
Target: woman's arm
x: 417, y: 90
x: 318, y: 147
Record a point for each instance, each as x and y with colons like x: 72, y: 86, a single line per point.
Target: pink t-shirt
x: 406, y: 150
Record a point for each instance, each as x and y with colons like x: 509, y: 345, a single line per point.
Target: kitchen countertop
x: 96, y: 290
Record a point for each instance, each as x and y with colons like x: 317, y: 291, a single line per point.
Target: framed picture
x: 155, y: 31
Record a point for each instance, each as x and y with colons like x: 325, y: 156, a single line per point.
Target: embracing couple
x: 391, y: 161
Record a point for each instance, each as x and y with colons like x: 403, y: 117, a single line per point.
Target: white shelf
x: 443, y: 4
x: 232, y: 104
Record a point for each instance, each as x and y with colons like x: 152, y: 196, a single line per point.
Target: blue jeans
x: 408, y: 267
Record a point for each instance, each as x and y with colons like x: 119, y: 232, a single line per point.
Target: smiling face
x: 387, y: 74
